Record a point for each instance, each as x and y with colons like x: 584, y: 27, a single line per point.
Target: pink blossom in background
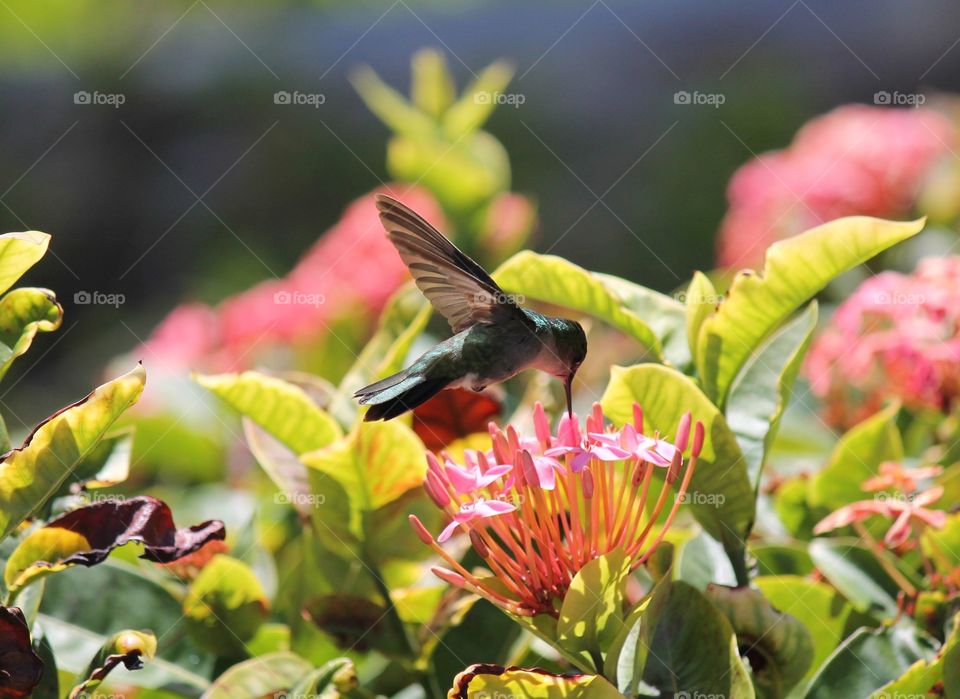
x: 896, y: 337
x: 352, y: 268
x: 854, y: 160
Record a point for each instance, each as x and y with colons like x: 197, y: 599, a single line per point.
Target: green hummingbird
x: 494, y: 338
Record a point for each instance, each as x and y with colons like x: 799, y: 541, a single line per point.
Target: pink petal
x: 492, y: 508
x: 462, y: 480
x: 448, y: 531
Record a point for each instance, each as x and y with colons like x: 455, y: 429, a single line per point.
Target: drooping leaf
x: 555, y: 280
x: 868, y: 659
x: 265, y: 675
x: 694, y: 649
x: 451, y: 415
x: 762, y: 390
x: 86, y: 536
x: 23, y: 313
x: 372, y: 466
x: 665, y: 395
x: 702, y: 300
x: 18, y: 253
x: 778, y: 645
x: 20, y: 667
x: 225, y: 605
x: 30, y: 475
x: 496, y: 680
x: 355, y: 623
x: 127, y: 648
x: 591, y: 614
x: 795, y: 269
x: 856, y: 457
x: 281, y: 408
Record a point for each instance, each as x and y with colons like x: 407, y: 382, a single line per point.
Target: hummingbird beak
x: 568, y: 388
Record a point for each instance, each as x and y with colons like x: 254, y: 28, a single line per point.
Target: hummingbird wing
x: 459, y: 288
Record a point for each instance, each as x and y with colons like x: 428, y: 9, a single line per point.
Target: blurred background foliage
x: 199, y: 185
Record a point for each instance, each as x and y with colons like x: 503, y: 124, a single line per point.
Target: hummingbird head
x: 571, y: 344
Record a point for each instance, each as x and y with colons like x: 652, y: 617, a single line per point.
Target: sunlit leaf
x: 30, y: 475
x: 86, y: 536
x: 795, y: 269
x: 929, y: 677
x: 431, y: 89
x: 762, y: 390
x: 392, y: 108
x: 942, y: 546
x: 23, y: 313
x: 496, y: 680
x: 262, y: 676
x: 18, y: 253
x: 665, y: 395
x: 281, y: 408
x: 476, y: 104
x: 701, y: 302
x: 329, y: 681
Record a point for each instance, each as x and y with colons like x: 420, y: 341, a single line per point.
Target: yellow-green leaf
x: 795, y: 269
x: 432, y: 89
x: 498, y: 681
x: 18, y: 253
x: 265, y: 675
x: 392, y: 108
x: 477, y: 102
x: 33, y: 473
x: 23, y: 313
x: 225, y: 605
x: 701, y: 301
x: 281, y: 408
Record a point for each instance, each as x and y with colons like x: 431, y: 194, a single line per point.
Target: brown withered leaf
x: 20, y: 666
x: 453, y: 414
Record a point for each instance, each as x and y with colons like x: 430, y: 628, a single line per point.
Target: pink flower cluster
x: 352, y: 268
x: 538, y: 509
x: 855, y: 160
x: 896, y: 337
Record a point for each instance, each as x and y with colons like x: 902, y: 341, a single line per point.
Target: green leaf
x: 665, y: 395
x: 555, y: 280
x: 390, y: 106
x: 432, y: 89
x: 474, y: 107
x: 281, y: 408
x: 591, y: 613
x: 702, y: 561
x: 782, y: 559
x: 49, y: 687
x: 930, y: 677
x: 18, y: 253
x: 30, y: 475
x: 942, y: 546
x: 795, y: 269
x: 869, y: 659
x: 694, y: 649
x: 778, y: 644
x: 498, y: 681
x: 225, y: 605
x: 258, y: 677
x: 702, y: 300
x: 821, y: 609
x: 372, y: 466
x: 762, y: 390
x: 107, y: 464
x: 856, y: 457
x: 23, y: 313
x: 329, y: 681
x: 856, y: 573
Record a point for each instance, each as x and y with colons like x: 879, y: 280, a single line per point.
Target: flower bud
x: 436, y: 491
x: 638, y: 417
x: 675, y: 465
x: 683, y: 432
x: 478, y: 544
x: 541, y: 426
x: 420, y: 530
x: 587, y: 483
x: 697, y: 438
x: 449, y: 576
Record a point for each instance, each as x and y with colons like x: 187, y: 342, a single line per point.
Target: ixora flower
x: 894, y: 476
x: 537, y: 510
x: 855, y: 160
x: 896, y: 337
x: 907, y: 511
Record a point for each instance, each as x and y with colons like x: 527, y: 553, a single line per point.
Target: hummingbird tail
x: 395, y: 397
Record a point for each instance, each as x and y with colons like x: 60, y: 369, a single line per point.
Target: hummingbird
x: 494, y: 338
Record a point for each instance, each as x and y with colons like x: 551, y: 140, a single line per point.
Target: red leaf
x: 20, y: 667
x: 453, y: 414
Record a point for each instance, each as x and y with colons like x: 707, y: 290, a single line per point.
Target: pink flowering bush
x: 855, y: 160
x: 896, y: 338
